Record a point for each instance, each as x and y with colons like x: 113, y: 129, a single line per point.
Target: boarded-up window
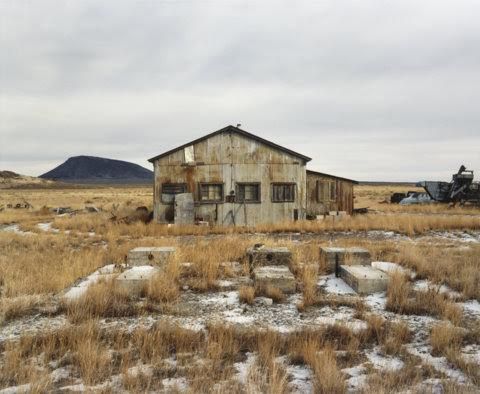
x: 211, y: 192
x: 283, y: 192
x: 326, y: 191
x: 169, y: 190
x: 333, y: 191
x: 189, y: 154
x: 248, y: 192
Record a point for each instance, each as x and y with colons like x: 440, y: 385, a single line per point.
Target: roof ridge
x: 237, y: 130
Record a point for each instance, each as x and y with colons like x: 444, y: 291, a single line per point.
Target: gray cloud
x: 371, y: 90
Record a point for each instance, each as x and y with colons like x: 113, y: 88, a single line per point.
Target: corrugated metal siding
x: 229, y: 158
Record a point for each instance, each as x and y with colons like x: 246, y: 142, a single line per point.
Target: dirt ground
x: 201, y: 324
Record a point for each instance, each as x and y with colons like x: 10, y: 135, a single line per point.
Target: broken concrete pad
x: 275, y: 276
x: 346, y: 256
x: 134, y: 279
x: 263, y: 256
x: 155, y: 256
x: 364, y: 279
x: 106, y: 272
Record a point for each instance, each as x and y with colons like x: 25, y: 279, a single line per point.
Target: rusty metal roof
x: 331, y: 176
x: 232, y: 129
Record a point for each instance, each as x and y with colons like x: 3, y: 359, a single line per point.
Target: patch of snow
x: 180, y: 384
x: 471, y: 353
x: 78, y: 290
x: 376, y: 301
x: 236, y: 316
x: 47, y: 227
x: 425, y: 285
x: 472, y: 307
x: 225, y: 298
x: 355, y: 325
x: 334, y: 285
x: 384, y: 363
x: 439, y: 363
x: 80, y: 388
x: 224, y: 283
x: 24, y: 388
x: 59, y: 374
x: 15, y: 228
x: 301, y: 379
x: 136, y: 370
x: 243, y: 367
x: 357, y: 377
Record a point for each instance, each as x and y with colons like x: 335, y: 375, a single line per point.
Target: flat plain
x: 201, y: 325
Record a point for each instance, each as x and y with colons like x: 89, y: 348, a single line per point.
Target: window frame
x: 325, y: 190
x: 243, y: 184
x: 333, y: 190
x: 222, y: 198
x: 183, y: 184
x: 293, y: 185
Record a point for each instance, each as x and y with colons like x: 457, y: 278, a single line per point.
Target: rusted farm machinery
x: 461, y: 189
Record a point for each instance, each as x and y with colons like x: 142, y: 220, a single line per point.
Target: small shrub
x: 247, y: 294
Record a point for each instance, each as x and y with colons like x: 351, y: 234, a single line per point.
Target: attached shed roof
x: 232, y: 129
x: 332, y: 176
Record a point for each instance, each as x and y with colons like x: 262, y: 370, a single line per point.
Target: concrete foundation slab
x: 134, y: 279
x: 155, y: 256
x: 262, y: 256
x: 364, y: 279
x: 276, y: 276
x: 346, y: 256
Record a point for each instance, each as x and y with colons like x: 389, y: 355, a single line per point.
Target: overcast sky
x: 372, y: 90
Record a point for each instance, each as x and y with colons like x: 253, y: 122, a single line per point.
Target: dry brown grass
x: 102, y: 299
x: 13, y: 308
x: 410, y: 224
x: 402, y: 299
x: 270, y: 291
x: 44, y: 263
x: 446, y: 340
x: 459, y: 269
x: 390, y: 335
x: 309, y: 278
x: 406, y: 378
x: 247, y: 294
x: 327, y: 376
x: 164, y: 287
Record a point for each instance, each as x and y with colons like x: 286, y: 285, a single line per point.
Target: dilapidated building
x: 237, y: 178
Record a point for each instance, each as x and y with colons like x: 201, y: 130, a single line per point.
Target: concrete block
x: 184, y: 209
x: 346, y: 256
x: 262, y: 255
x: 134, y: 279
x: 364, y: 279
x: 276, y: 276
x: 155, y: 256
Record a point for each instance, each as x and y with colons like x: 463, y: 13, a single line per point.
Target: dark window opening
x: 283, y: 192
x: 248, y: 192
x: 211, y: 192
x: 169, y: 190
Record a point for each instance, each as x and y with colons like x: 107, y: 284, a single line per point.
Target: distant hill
x: 98, y: 170
x: 12, y: 180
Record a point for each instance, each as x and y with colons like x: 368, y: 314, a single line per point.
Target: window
x: 169, y: 190
x: 211, y: 192
x: 326, y: 191
x: 333, y: 191
x: 248, y: 192
x: 283, y: 192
